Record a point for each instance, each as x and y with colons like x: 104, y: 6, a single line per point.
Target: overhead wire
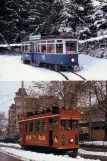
x: 6, y: 95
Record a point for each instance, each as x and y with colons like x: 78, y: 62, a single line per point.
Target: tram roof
x: 49, y: 37
x: 59, y: 38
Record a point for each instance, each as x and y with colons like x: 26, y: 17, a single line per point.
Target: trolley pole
x: 22, y: 94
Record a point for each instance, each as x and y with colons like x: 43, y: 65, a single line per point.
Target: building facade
x: 25, y: 103
x: 12, y: 120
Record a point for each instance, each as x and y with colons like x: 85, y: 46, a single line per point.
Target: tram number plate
x: 43, y: 57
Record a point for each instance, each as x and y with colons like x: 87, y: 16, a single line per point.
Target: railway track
x: 73, y: 73
x: 66, y: 78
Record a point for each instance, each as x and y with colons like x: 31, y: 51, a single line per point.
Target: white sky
x: 9, y: 88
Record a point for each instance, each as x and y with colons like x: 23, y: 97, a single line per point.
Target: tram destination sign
x: 34, y: 37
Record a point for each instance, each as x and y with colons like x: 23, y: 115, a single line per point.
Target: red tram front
x: 55, y: 128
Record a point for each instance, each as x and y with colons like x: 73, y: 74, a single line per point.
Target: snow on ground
x: 12, y: 69
x: 93, y: 68
x: 34, y: 156
x: 11, y: 145
x: 81, y: 151
x: 96, y: 143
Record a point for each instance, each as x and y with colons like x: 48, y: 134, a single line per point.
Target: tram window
x: 69, y: 125
x: 56, y: 121
x: 70, y: 48
x: 38, y: 48
x: 35, y: 47
x: 59, y: 48
x: 43, y: 48
x: 32, y: 46
x: 75, y: 125
x: 55, y: 124
x: 50, y: 48
x: 20, y: 126
x: 63, y: 124
x: 27, y: 127
x: 43, y: 41
x: 43, y: 125
x: 29, y: 47
x: 26, y: 48
x: 31, y: 127
x: 50, y: 41
x: 38, y: 126
x: 50, y: 123
x: 22, y: 48
x: 59, y: 40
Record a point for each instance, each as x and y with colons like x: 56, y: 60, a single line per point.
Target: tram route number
x: 43, y: 57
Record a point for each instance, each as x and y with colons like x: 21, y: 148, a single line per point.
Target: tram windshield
x: 69, y: 124
x: 71, y: 47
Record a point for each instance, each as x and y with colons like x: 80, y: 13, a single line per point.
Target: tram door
x: 32, y: 51
x: 50, y: 132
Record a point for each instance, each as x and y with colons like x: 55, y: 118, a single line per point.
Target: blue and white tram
x: 54, y: 53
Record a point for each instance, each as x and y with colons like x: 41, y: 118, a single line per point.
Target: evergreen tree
x: 104, y: 9
x: 44, y: 15
x: 3, y: 26
x: 76, y: 15
x: 19, y: 16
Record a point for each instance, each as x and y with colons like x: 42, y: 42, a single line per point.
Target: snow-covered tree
x: 3, y: 123
x: 76, y: 15
x: 44, y: 16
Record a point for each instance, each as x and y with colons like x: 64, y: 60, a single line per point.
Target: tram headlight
x: 72, y: 60
x: 71, y: 140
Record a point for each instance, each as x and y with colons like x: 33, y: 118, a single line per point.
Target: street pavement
x: 5, y: 157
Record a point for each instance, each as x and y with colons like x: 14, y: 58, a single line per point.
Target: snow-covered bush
x: 95, y: 47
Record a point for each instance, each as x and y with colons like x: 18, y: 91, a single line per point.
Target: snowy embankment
x: 93, y: 68
x: 95, y: 143
x: 11, y: 145
x: 33, y: 156
x: 11, y: 68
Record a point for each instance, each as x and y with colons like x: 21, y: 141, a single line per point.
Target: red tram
x: 56, y: 128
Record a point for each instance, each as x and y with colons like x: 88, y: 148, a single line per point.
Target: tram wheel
x: 75, y: 151
x: 24, y: 61
x: 56, y: 68
x: 51, y: 67
x: 46, y: 66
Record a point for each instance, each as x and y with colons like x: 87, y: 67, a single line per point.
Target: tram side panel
x: 59, y: 59
x: 33, y: 137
